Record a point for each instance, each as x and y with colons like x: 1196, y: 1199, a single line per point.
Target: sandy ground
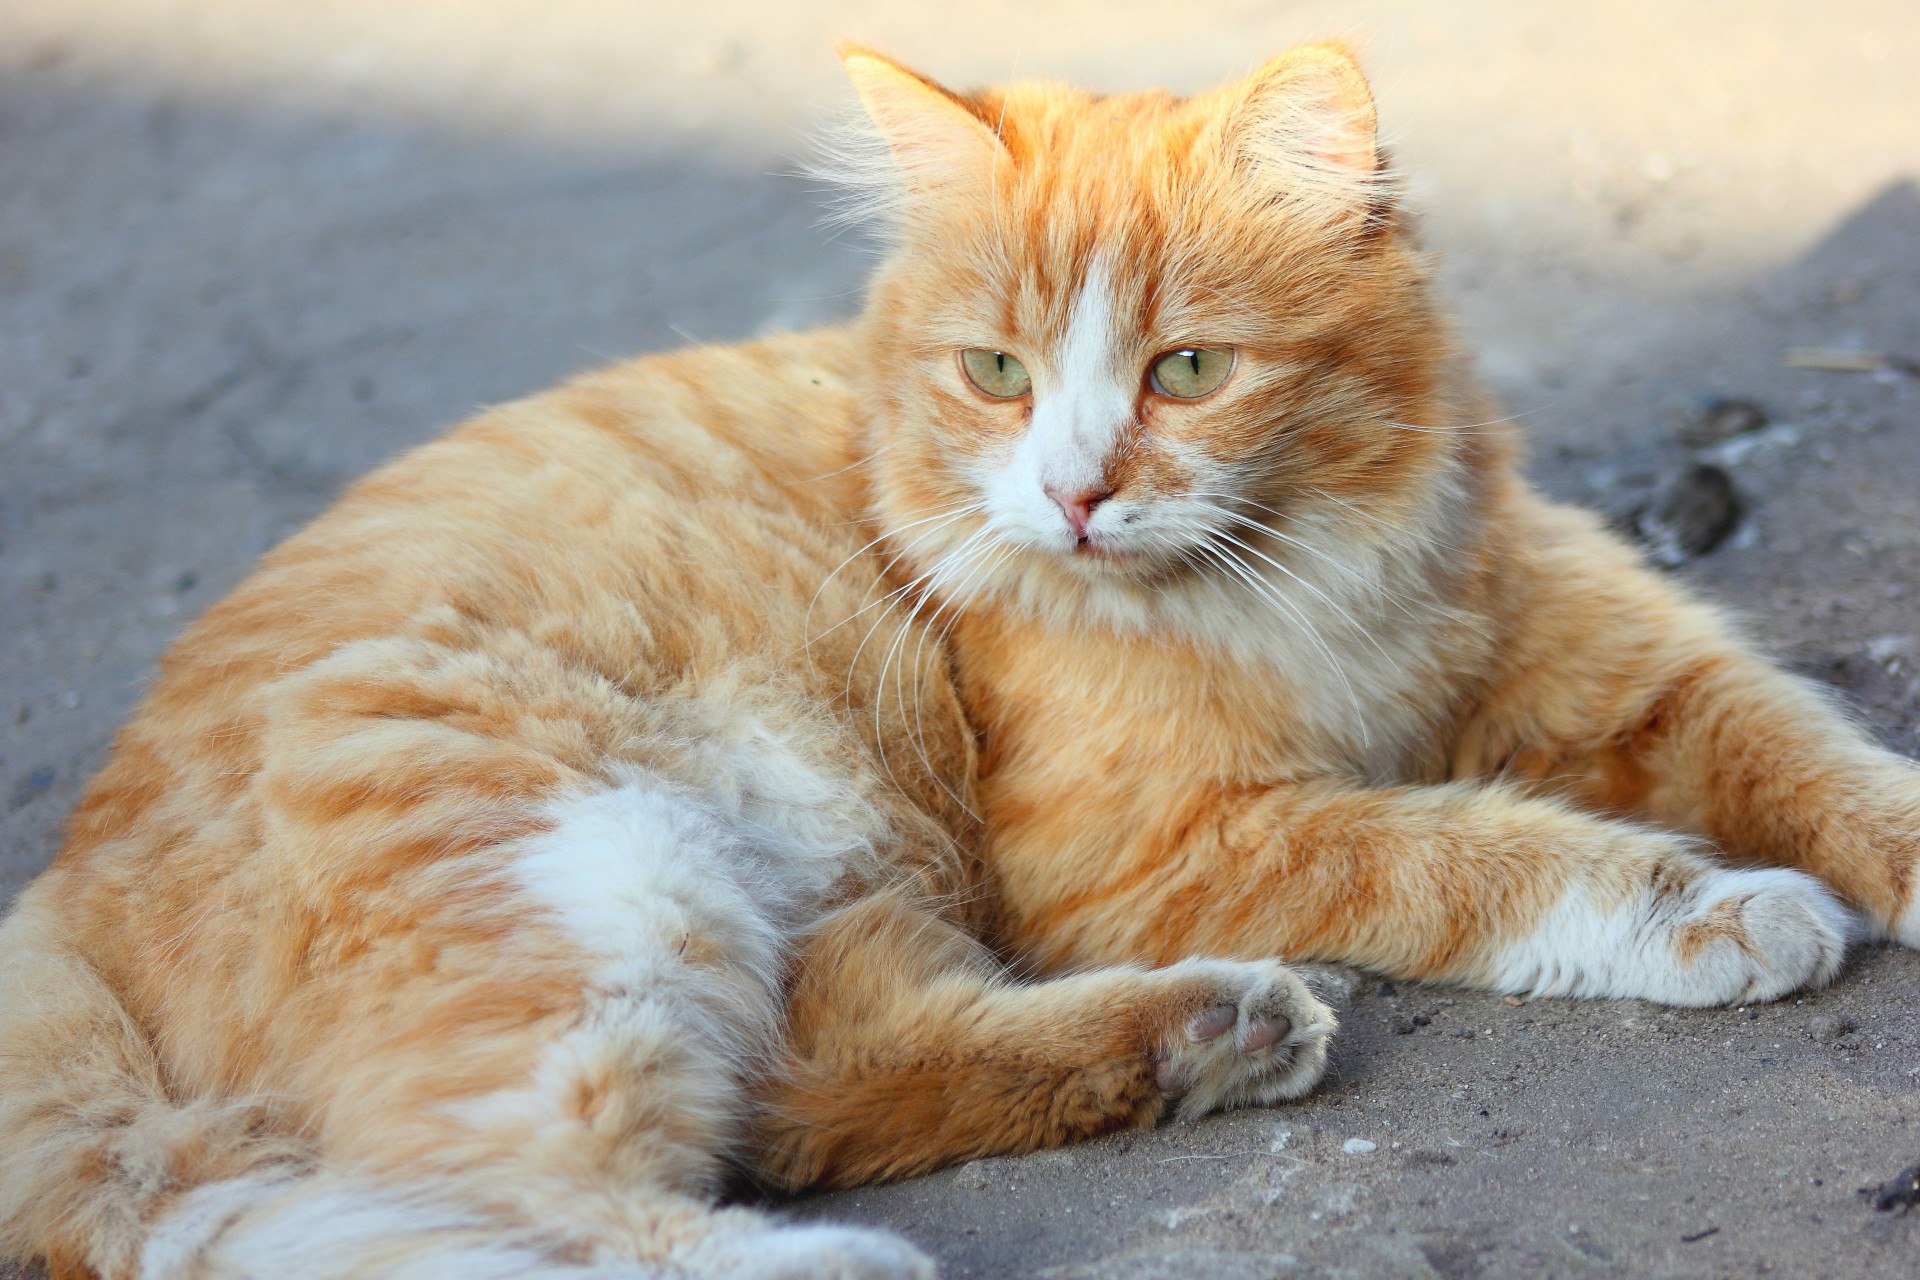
x: 247, y: 251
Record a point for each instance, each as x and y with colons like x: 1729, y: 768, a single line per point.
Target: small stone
x: 1358, y: 1146
x: 1721, y: 419
x: 976, y: 1176
x: 1387, y: 989
x: 1901, y: 1191
x: 1404, y: 1026
x: 1691, y: 515
x: 1422, y: 1020
x: 1829, y: 1027
x: 1515, y: 1001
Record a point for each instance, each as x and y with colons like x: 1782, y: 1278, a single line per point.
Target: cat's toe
x: 1749, y: 935
x: 1796, y: 932
x: 1251, y: 1034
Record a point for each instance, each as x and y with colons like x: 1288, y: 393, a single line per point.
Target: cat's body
x: 495, y: 860
x: 641, y: 778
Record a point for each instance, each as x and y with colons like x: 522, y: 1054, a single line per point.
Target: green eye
x: 1191, y: 372
x: 996, y: 373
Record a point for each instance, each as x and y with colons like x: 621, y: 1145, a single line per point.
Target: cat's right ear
x: 1304, y: 129
x: 933, y: 145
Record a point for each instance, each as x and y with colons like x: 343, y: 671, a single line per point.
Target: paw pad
x: 1250, y: 1033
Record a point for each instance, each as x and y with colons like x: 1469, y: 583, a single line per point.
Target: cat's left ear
x: 1304, y: 126
x: 935, y: 142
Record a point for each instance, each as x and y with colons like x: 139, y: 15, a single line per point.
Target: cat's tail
x: 104, y: 1173
x: 92, y: 1148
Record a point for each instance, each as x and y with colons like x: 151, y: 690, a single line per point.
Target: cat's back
x: 598, y: 493
x: 654, y: 554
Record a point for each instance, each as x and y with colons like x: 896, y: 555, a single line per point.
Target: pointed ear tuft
x: 1305, y: 124
x: 929, y: 141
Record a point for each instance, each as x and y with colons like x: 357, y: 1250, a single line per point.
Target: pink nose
x: 1078, y: 507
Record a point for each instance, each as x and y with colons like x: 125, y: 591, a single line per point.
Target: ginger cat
x: 654, y: 776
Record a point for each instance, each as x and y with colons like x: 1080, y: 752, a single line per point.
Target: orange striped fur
x: 793, y: 757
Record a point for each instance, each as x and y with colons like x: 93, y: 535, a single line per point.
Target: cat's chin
x: 1108, y: 564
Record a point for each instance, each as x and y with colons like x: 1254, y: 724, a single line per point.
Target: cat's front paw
x: 1757, y: 935
x: 1239, y: 1033
x: 1695, y: 935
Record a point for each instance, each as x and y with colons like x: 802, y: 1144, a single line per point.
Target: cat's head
x: 1119, y: 343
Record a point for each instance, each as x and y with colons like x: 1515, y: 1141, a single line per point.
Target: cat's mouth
x: 1109, y: 559
x: 1102, y: 550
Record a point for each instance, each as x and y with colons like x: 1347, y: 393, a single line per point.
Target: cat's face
x: 1127, y: 340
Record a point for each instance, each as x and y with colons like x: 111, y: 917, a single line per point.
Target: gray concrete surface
x: 247, y: 250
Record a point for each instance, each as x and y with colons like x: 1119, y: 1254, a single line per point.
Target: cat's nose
x: 1078, y: 507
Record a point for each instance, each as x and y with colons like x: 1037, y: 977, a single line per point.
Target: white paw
x: 1758, y: 935
x: 810, y: 1252
x: 1906, y: 930
x: 1251, y: 1034
x: 1718, y: 936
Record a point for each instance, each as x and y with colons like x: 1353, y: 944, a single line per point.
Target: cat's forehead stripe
x: 1086, y: 348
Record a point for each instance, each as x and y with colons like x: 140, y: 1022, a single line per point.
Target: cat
x: 853, y: 752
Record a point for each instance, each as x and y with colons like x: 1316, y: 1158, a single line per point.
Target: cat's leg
x: 498, y: 1116
x: 520, y: 1004
x: 1758, y: 763
x: 544, y: 1077
x: 1477, y: 884
x: 606, y: 1125
x: 1634, y: 700
x: 912, y: 1048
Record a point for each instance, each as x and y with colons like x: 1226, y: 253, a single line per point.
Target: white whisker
x: 1324, y: 598
x: 965, y: 554
x: 1372, y: 585
x: 1416, y: 537
x: 1263, y: 591
x: 946, y: 516
x: 1509, y: 425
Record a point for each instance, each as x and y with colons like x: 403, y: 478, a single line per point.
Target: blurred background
x: 249, y: 248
